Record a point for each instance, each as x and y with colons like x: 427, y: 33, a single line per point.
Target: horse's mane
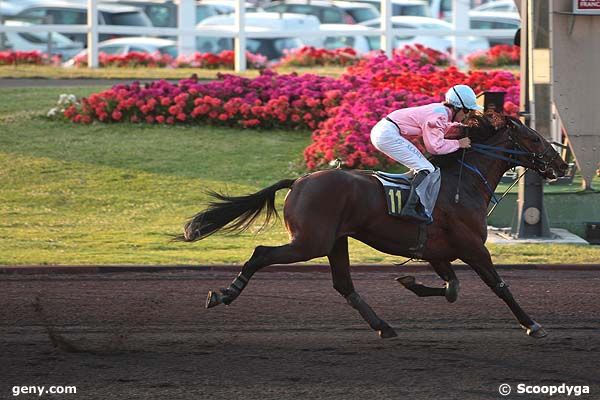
x: 480, y: 128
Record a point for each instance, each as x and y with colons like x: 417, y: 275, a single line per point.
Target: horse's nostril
x: 563, y: 167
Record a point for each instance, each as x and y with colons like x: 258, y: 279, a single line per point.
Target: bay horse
x: 324, y: 208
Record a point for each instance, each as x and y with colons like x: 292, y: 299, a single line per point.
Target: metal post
x: 387, y: 37
x: 49, y: 20
x: 532, y: 219
x: 240, y: 39
x: 92, y: 36
x: 2, y: 34
x: 460, y: 21
x: 186, y: 19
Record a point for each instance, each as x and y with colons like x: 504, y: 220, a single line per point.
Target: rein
x: 476, y: 170
x: 534, y: 161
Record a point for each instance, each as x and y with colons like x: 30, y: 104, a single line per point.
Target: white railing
x: 386, y: 33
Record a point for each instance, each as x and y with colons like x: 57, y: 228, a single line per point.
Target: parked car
x: 228, y: 6
x: 360, y: 42
x: 272, y: 48
x: 442, y: 9
x: 358, y: 11
x: 440, y: 43
x: 132, y: 44
x: 30, y: 41
x: 328, y: 12
x: 75, y: 13
x: 499, y: 5
x: 495, y: 20
x: 8, y: 10
x: 163, y: 13
x: 418, y: 8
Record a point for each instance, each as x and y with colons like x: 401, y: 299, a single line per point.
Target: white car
x: 74, y: 12
x: 126, y: 45
x: 328, y: 12
x: 499, y: 5
x: 259, y: 22
x: 32, y: 41
x: 8, y: 9
x: 439, y: 43
x: 418, y: 8
x: 359, y: 42
x: 496, y: 20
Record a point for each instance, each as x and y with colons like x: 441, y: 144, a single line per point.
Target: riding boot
x: 413, y: 204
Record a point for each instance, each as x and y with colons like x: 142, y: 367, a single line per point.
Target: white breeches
x: 386, y: 138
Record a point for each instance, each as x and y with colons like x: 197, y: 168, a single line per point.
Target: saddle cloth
x: 397, y: 187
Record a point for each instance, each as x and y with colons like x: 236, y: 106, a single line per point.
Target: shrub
x: 309, y: 56
x: 225, y: 59
x: 498, y: 56
x: 27, y: 58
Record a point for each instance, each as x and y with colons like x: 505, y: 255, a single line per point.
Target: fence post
x: 186, y: 19
x: 460, y: 21
x: 2, y: 34
x: 240, y: 39
x: 387, y: 38
x: 92, y: 36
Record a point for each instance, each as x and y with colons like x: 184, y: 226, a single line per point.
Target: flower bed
x: 225, y: 59
x: 497, y: 56
x: 341, y: 112
x: 308, y: 56
x: 27, y: 57
x: 268, y: 101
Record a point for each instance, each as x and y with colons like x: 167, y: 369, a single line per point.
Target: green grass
x: 47, y: 72
x: 112, y: 193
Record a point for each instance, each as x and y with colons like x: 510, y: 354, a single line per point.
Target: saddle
x: 396, y: 188
x: 396, y: 179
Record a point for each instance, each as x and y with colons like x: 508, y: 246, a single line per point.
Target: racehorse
x: 324, y: 208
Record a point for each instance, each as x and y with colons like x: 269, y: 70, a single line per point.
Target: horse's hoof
x: 536, y: 331
x: 213, y: 299
x: 387, y: 332
x: 451, y: 293
x: 406, y: 281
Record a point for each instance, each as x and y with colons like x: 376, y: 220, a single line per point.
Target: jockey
x: 431, y: 122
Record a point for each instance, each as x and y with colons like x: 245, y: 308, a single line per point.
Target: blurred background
x: 271, y: 27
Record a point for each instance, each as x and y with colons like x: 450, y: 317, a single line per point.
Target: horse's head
x: 534, y: 151
x: 542, y: 157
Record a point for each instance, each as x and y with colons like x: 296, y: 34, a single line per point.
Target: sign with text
x: 586, y: 7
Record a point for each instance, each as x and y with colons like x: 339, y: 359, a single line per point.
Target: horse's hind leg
x: 262, y: 257
x: 445, y: 271
x: 342, y: 282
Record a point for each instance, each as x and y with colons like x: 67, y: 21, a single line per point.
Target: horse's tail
x: 233, y: 213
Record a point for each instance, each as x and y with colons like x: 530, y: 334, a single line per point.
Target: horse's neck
x: 492, y: 169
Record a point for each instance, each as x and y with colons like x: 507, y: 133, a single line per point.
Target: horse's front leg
x: 445, y: 271
x: 480, y: 260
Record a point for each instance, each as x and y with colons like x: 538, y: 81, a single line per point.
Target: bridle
x: 517, y: 155
x: 514, y: 155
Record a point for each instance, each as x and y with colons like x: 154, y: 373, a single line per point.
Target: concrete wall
x: 576, y: 78
x: 566, y: 210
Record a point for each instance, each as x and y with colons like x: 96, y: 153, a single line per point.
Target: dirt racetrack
x: 290, y: 335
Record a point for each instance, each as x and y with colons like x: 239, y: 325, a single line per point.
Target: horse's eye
x: 537, y: 140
